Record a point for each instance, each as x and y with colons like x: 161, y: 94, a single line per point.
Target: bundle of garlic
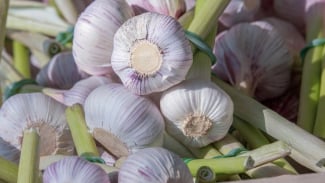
x: 151, y: 53
x: 197, y: 112
x: 94, y: 32
x: 253, y: 59
x: 35, y: 110
x: 132, y: 119
x: 154, y: 165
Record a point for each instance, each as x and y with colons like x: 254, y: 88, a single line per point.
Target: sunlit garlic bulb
x: 79, y: 92
x: 74, y: 170
x: 133, y: 119
x: 197, y: 112
x: 35, y: 110
x: 254, y: 60
x: 156, y: 165
x: 94, y: 33
x: 174, y: 8
x: 151, y: 53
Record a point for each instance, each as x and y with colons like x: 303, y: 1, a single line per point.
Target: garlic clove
x: 151, y: 53
x: 254, y: 60
x: 74, y: 170
x: 174, y: 8
x: 8, y: 151
x: 133, y: 119
x: 79, y: 92
x: 61, y: 72
x: 154, y: 165
x: 35, y: 110
x: 94, y: 32
x: 197, y: 112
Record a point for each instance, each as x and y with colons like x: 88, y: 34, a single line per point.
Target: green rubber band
x: 15, y: 87
x: 65, y: 37
x: 93, y: 159
x: 201, y: 45
x: 232, y: 153
x: 312, y: 44
x: 187, y: 160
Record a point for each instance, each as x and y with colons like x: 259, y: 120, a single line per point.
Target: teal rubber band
x: 312, y: 44
x: 15, y: 87
x: 65, y: 37
x: 187, y: 160
x: 232, y: 153
x: 201, y: 45
x: 93, y: 159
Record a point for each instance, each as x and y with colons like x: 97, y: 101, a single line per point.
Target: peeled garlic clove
x: 151, y: 53
x: 254, y: 60
x: 133, y: 119
x: 154, y: 165
x: 94, y: 32
x: 174, y: 8
x: 79, y: 92
x: 197, y: 112
x: 74, y: 170
x: 35, y: 110
x: 61, y: 72
x: 8, y: 151
x: 239, y: 11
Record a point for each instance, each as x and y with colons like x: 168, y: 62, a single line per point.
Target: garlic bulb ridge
x: 151, y: 53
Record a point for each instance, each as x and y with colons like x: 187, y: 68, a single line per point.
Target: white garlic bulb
x: 197, y: 112
x: 9, y: 152
x: 151, y: 53
x: 94, y: 32
x: 156, y: 165
x: 133, y: 119
x: 174, y: 8
x: 254, y: 60
x: 38, y: 111
x: 79, y: 92
x: 74, y: 170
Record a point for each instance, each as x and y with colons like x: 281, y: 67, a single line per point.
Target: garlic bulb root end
x: 196, y: 125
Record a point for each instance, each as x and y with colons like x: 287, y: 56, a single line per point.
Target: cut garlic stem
x: 186, y: 19
x: 29, y: 159
x: 8, y: 171
x: 205, y: 175
x: 21, y: 59
x: 68, y: 10
x: 204, y: 152
x: 4, y: 5
x: 173, y: 145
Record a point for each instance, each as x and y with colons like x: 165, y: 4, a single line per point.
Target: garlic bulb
x: 254, y: 60
x: 35, y: 110
x: 239, y: 11
x: 174, y: 8
x: 8, y: 151
x: 133, y: 119
x: 154, y: 165
x: 61, y: 72
x: 151, y: 53
x: 94, y: 32
x: 74, y: 170
x: 79, y: 92
x: 197, y: 112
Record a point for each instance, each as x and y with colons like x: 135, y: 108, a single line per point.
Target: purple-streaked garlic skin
x: 154, y: 165
x: 79, y: 92
x: 174, y: 8
x: 60, y: 73
x: 133, y: 119
x: 38, y: 111
x: 254, y: 60
x: 9, y: 152
x: 74, y: 170
x: 94, y: 32
x: 170, y: 54
x: 197, y: 112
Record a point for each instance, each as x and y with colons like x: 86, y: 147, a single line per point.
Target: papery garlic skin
x: 254, y: 60
x: 197, y: 112
x: 151, y: 53
x: 35, y: 110
x: 154, y: 165
x: 174, y: 8
x: 79, y: 92
x: 133, y: 119
x: 60, y: 73
x: 94, y: 32
x: 74, y: 170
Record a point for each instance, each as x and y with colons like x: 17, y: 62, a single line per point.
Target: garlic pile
x: 254, y: 60
x: 94, y: 32
x: 133, y: 119
x: 154, y: 165
x: 151, y: 53
x: 197, y: 112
